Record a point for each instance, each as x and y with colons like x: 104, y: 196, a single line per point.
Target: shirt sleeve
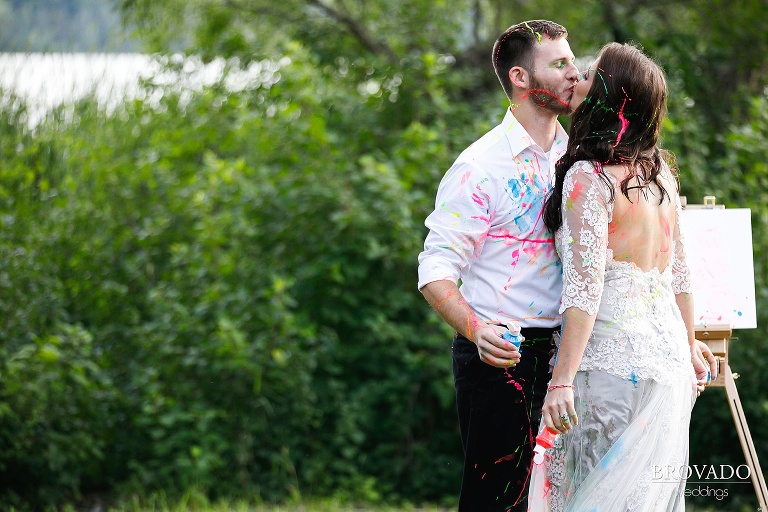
x: 459, y: 225
x: 681, y: 274
x: 586, y: 210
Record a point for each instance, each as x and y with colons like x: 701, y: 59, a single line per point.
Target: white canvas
x: 718, y: 245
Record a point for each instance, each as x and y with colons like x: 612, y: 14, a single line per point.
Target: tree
x: 217, y: 289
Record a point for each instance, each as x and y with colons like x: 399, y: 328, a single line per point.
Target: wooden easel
x: 717, y: 336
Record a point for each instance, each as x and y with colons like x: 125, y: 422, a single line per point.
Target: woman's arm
x: 703, y: 360
x: 577, y: 328
x: 583, y: 245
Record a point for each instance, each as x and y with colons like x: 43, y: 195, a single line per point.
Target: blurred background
x: 210, y: 212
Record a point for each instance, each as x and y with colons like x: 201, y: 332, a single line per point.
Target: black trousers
x: 499, y: 414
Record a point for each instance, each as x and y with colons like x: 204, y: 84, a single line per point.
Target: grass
x: 195, y: 501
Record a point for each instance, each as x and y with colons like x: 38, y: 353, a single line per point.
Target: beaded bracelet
x: 559, y: 386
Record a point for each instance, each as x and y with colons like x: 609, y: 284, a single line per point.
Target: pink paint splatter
x: 531, y: 251
x: 478, y: 199
x: 624, y: 122
x: 506, y: 234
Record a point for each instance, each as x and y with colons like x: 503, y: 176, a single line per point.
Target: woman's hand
x: 558, y: 411
x: 704, y: 364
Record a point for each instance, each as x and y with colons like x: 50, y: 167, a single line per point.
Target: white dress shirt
x: 487, y: 228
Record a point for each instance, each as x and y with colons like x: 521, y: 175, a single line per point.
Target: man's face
x: 553, y: 76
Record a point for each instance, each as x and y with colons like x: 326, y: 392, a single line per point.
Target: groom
x: 487, y: 231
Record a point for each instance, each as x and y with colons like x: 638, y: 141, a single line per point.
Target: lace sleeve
x: 681, y: 274
x: 583, y: 237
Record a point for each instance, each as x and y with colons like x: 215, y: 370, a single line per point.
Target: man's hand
x: 493, y: 349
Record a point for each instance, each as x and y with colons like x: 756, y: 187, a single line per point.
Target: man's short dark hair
x: 515, y: 47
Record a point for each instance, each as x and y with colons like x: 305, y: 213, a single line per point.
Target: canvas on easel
x: 718, y: 246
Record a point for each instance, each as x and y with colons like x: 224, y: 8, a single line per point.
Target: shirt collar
x: 519, y: 139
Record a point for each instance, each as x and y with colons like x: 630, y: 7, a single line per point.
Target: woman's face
x: 582, y: 86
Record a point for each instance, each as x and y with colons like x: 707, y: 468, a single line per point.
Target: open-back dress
x: 624, y: 261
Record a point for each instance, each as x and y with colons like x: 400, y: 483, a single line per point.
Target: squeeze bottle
x: 512, y: 334
x: 544, y: 441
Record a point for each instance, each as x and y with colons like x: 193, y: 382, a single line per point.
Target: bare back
x: 642, y: 227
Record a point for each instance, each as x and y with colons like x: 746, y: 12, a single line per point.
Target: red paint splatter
x: 578, y: 189
x: 542, y: 94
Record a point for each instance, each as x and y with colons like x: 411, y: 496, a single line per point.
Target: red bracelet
x: 559, y: 386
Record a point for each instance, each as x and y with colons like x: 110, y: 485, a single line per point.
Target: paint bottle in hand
x: 544, y: 441
x: 512, y: 334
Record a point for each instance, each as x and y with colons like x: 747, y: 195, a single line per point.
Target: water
x: 46, y: 80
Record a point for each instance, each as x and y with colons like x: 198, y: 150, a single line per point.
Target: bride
x: 624, y: 381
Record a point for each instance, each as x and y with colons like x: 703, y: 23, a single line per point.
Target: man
x: 487, y: 231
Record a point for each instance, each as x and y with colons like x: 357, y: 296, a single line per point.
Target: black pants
x: 499, y: 413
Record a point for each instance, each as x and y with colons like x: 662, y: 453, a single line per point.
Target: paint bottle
x: 544, y: 441
x: 512, y: 334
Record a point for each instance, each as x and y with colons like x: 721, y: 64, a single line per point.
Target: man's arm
x: 446, y: 299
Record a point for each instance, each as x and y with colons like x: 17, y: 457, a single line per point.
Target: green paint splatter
x: 538, y: 35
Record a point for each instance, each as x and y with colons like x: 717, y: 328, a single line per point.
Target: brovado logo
x: 718, y: 494
x: 723, y: 473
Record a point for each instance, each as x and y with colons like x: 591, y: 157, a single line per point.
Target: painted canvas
x: 718, y: 244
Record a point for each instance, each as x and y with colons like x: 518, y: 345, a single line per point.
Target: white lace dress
x: 635, y: 387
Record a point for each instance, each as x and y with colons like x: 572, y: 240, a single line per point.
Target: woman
x: 624, y: 382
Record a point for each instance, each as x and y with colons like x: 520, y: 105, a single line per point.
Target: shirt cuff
x: 434, y: 268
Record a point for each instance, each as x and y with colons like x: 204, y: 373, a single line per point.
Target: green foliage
x: 223, y: 298
x: 216, y: 290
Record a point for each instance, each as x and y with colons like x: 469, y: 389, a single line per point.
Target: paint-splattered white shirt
x: 487, y: 228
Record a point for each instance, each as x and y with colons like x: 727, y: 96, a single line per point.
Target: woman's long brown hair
x: 618, y: 123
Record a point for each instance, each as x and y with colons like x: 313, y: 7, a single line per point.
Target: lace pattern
x: 639, y: 333
x: 681, y: 282
x: 635, y: 385
x: 583, y: 275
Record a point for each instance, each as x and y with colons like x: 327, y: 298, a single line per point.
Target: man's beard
x: 547, y: 99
